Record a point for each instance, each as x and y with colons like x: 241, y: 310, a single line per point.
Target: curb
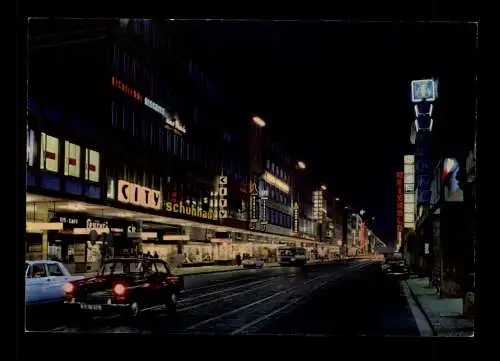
x: 421, y: 308
x: 222, y: 271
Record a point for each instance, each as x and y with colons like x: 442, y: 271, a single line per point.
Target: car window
x: 161, y: 268
x: 54, y: 270
x: 38, y: 270
x: 111, y: 268
x: 27, y: 272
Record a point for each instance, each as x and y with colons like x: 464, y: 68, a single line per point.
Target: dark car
x: 396, y: 267
x: 126, y: 286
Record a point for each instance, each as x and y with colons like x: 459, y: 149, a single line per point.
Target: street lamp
x: 259, y: 121
x: 323, y: 187
x: 301, y: 165
x: 337, y: 199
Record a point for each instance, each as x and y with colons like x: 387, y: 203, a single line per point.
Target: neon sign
x: 172, y: 122
x: 126, y: 89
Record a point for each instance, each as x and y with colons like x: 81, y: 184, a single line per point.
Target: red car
x: 126, y: 286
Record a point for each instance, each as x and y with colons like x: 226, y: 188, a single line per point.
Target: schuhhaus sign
x: 138, y: 195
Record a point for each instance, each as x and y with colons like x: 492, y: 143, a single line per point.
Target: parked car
x: 45, y: 281
x: 126, y: 286
x: 253, y: 262
x: 396, y: 266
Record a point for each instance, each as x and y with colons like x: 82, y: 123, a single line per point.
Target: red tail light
x: 172, y: 279
x: 120, y: 289
x: 69, y: 287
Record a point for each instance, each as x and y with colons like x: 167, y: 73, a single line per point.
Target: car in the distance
x: 253, y: 262
x: 126, y: 286
x: 396, y: 266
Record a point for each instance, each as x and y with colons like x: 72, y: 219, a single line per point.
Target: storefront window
x: 71, y: 159
x: 50, y: 153
x: 91, y: 165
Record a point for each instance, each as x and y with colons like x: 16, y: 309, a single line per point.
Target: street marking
x: 208, y: 320
x: 423, y: 326
x: 215, y: 284
x: 224, y: 290
x: 219, y: 299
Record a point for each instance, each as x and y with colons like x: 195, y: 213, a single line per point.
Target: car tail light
x: 69, y: 287
x: 120, y: 289
x: 172, y: 279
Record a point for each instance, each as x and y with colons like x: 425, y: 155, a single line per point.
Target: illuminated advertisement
x: 423, y: 170
x: 296, y: 217
x: 263, y: 195
x: 275, y: 181
x: 253, y: 213
x: 222, y: 191
x: 362, y: 235
x: 172, y: 122
x: 138, y: 195
x: 423, y: 90
x: 30, y: 147
x: 409, y: 195
x: 190, y: 210
x: 317, y: 205
x: 449, y: 178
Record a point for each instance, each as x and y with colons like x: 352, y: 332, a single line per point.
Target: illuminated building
x: 127, y: 131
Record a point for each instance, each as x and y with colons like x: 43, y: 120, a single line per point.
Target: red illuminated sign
x: 126, y: 89
x: 399, y: 201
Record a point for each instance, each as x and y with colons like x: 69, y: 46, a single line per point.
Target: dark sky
x: 337, y: 93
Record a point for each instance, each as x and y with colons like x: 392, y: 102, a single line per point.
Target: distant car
x: 396, y: 266
x: 45, y: 281
x: 254, y: 262
x: 126, y: 286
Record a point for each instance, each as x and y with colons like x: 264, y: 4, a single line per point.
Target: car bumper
x: 98, y: 308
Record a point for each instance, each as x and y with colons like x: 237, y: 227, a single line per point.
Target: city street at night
x: 341, y: 298
x: 232, y: 177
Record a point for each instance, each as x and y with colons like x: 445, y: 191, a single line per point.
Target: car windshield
x: 124, y: 267
x: 26, y: 268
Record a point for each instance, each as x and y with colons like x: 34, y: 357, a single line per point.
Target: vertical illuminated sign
x: 222, y: 190
x: 30, y: 147
x: 263, y: 204
x: 296, y: 217
x: 254, y: 192
x: 399, y: 205
x: 409, y: 191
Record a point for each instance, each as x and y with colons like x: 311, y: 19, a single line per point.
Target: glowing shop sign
x: 170, y: 121
x: 274, y: 181
x: 190, y: 210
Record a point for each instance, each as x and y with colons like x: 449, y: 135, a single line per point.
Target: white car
x: 45, y: 281
x: 254, y: 262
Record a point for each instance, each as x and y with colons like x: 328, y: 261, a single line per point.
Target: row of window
x: 279, y: 219
x: 155, y: 134
x: 74, y: 163
x: 277, y: 171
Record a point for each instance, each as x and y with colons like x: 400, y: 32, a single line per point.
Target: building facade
x: 130, y: 148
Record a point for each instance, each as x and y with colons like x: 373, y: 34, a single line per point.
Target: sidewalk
x: 444, y: 315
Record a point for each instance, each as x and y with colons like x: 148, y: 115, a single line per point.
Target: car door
x: 36, y: 283
x: 57, y: 277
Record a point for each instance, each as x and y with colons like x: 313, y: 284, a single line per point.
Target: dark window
x: 113, y: 114
x: 181, y: 148
x: 187, y: 151
x: 38, y: 271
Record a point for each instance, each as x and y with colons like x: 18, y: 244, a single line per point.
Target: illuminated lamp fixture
x: 301, y: 165
x: 323, y: 187
x: 337, y: 199
x: 259, y: 121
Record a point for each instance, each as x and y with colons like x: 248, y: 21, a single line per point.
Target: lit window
x: 49, y: 159
x: 91, y: 165
x: 71, y: 159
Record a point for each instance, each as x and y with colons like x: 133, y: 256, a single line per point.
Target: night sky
x: 336, y: 94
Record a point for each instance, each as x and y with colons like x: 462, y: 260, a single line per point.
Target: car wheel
x: 134, y: 309
x: 171, y: 303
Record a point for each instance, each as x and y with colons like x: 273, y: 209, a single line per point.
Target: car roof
x: 42, y: 261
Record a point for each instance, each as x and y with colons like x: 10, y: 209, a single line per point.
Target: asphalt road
x: 343, y: 298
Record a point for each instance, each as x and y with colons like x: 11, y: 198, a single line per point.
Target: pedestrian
x: 155, y: 255
x: 148, y: 254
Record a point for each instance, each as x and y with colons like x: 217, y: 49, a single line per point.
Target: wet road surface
x: 342, y: 298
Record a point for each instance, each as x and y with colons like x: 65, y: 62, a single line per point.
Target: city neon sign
x: 172, y: 122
